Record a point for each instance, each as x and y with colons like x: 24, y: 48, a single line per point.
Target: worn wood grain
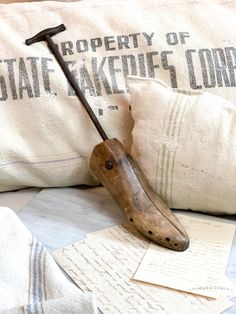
x: 121, y: 176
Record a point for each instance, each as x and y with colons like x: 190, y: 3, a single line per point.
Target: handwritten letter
x: 105, y: 263
x: 197, y: 269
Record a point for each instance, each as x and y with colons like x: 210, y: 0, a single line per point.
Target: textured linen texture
x: 46, y: 136
x: 185, y: 144
x: 30, y: 279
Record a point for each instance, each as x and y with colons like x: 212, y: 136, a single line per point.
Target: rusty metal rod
x: 46, y: 35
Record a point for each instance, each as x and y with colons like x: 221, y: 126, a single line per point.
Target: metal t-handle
x: 45, y: 35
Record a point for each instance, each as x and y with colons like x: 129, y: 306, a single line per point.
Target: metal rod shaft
x: 75, y: 86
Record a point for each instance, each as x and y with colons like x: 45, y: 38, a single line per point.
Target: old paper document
x: 200, y: 268
x: 105, y: 263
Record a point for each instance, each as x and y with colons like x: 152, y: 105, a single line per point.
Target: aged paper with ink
x: 221, y: 287
x: 198, y: 269
x: 105, y: 263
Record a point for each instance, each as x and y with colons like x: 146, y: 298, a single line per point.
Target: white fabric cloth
x: 185, y: 144
x: 30, y: 279
x: 46, y: 136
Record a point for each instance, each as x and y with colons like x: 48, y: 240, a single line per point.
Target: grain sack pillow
x: 46, y: 138
x: 185, y: 144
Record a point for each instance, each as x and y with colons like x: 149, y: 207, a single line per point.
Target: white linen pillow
x: 185, y: 144
x: 46, y: 137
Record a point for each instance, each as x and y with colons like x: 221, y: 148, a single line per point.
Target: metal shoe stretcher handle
x: 121, y: 176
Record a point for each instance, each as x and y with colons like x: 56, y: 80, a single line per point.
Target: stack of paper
x: 201, y: 268
x: 128, y: 273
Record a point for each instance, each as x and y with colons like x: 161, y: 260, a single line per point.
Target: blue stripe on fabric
x: 35, y: 277
x: 29, y: 309
x: 40, y: 274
